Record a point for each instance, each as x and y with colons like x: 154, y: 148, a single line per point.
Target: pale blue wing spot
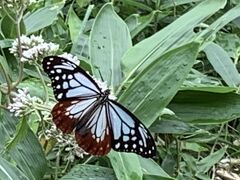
x: 85, y: 81
x: 65, y: 85
x: 101, y: 122
x: 79, y: 91
x: 74, y: 83
x: 124, y: 116
x: 115, y: 123
x: 126, y: 129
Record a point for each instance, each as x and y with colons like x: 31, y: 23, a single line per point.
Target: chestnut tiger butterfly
x: 100, y: 123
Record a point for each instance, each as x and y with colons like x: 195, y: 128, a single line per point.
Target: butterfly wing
x: 129, y: 134
x: 66, y: 114
x: 68, y: 79
x: 75, y: 90
x: 93, y: 132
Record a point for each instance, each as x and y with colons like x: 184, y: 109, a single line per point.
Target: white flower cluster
x: 67, y: 141
x: 23, y: 102
x: 70, y: 57
x: 17, y: 3
x: 33, y: 48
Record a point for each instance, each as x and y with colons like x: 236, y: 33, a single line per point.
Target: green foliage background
x: 174, y: 64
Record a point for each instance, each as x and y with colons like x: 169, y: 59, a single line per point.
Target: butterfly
x: 100, y: 123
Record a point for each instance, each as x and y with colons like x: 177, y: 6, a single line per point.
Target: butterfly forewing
x: 69, y: 80
x: 93, y: 133
x: 129, y: 134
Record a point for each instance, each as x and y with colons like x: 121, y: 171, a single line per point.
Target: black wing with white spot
x: 128, y: 133
x: 68, y: 79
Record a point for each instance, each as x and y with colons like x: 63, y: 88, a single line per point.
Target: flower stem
x: 43, y: 83
x: 19, y: 16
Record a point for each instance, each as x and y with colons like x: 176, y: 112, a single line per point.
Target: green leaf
x: 89, y: 172
x: 126, y: 166
x: 152, y: 170
x: 42, y: 17
x: 206, y: 107
x: 109, y: 40
x: 136, y: 4
x: 6, y: 43
x: 206, y: 163
x: 222, y: 64
x: 137, y: 23
x: 177, y: 33
x: 230, y: 43
x: 168, y: 4
x: 8, y: 27
x: 4, y: 65
x: 27, y: 154
x: 153, y: 89
x: 20, y: 134
x: 35, y: 87
x: 9, y: 171
x: 221, y: 22
x: 171, y: 127
x: 74, y: 24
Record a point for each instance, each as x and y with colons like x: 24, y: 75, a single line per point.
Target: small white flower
x: 33, y: 48
x: 66, y: 141
x: 70, y: 57
x: 22, y: 102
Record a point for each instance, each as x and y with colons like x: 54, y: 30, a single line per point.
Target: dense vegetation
x: 174, y: 64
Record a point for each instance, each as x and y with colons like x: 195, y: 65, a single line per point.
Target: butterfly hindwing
x: 129, y: 134
x: 93, y: 132
x: 68, y: 79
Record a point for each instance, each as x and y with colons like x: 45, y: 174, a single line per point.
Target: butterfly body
x: 100, y: 123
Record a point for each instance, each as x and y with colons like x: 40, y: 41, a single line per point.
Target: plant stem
x: 7, y: 80
x: 43, y: 83
x: 18, y: 29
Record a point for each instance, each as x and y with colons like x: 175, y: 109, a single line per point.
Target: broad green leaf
x: 153, y: 89
x: 126, y: 166
x: 42, y: 17
x: 206, y: 163
x: 27, y: 154
x: 89, y: 172
x: 9, y: 171
x: 206, y: 107
x: 21, y: 131
x: 171, y: 127
x: 74, y: 24
x: 222, y: 64
x: 177, y: 33
x: 152, y: 170
x: 109, y: 40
